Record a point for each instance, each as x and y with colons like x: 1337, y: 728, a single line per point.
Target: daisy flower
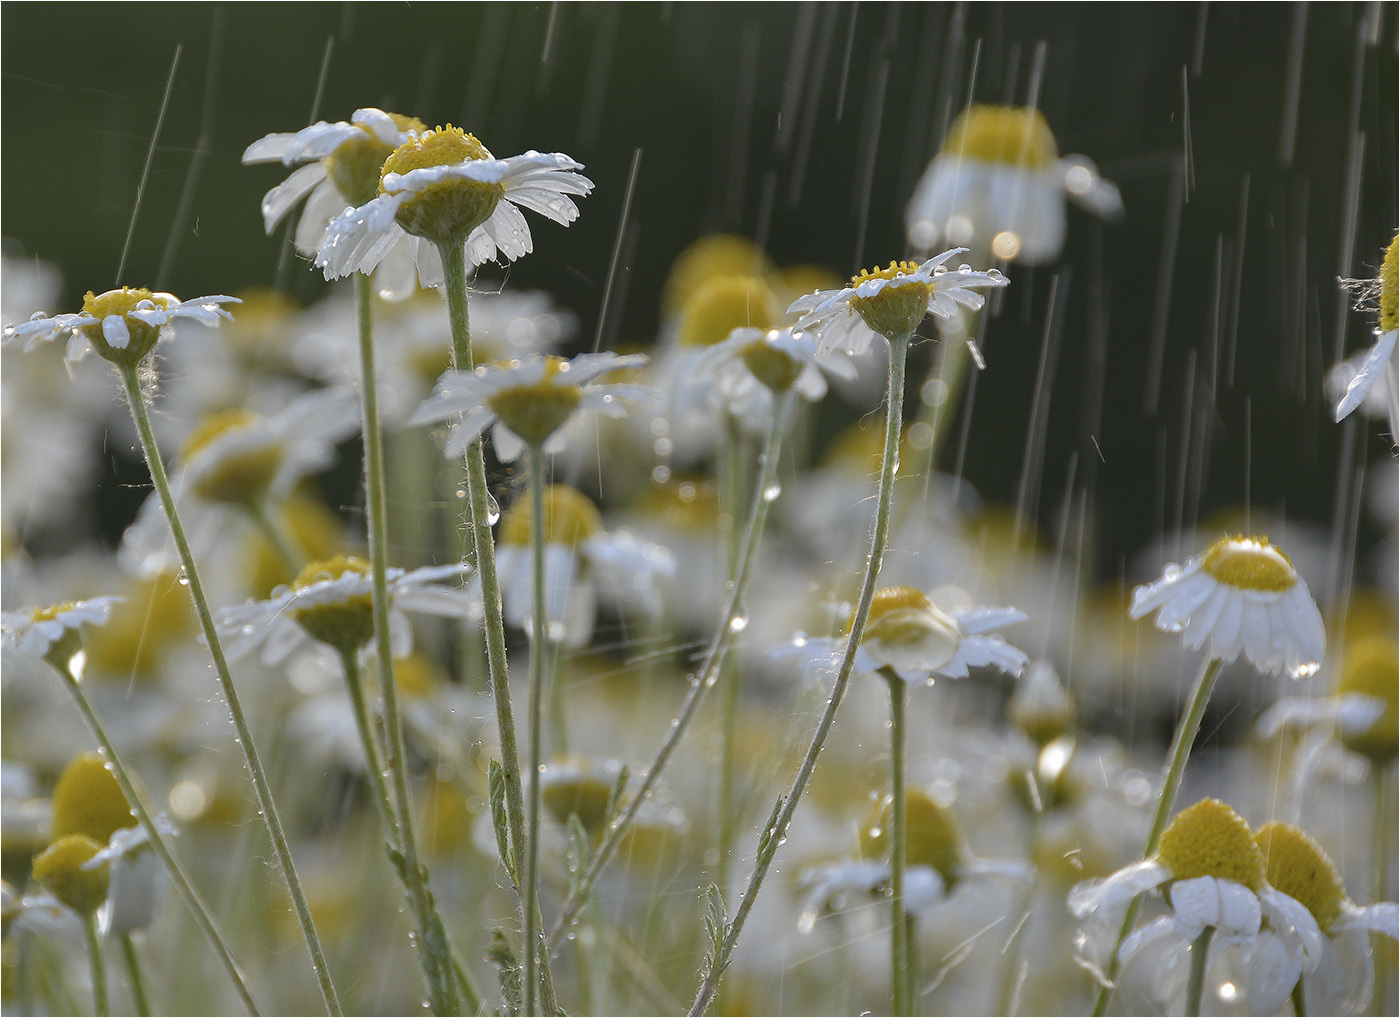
x: 998, y: 183
x: 1364, y: 712
x: 445, y: 187
x: 121, y: 325
x: 330, y: 602
x: 1211, y: 874
x: 528, y: 401
x: 1242, y: 594
x: 1363, y: 379
x: 137, y: 877
x: 891, y: 302
x: 1343, y: 980
x: 42, y: 632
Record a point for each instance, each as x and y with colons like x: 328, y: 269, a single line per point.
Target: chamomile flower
x: 57, y: 629
x: 137, y: 877
x: 1361, y: 379
x: 444, y: 186
x: 999, y: 184
x: 1241, y: 594
x: 528, y: 401
x: 1211, y: 874
x: 1363, y: 712
x: 891, y: 302
x: 329, y: 602
x: 121, y: 325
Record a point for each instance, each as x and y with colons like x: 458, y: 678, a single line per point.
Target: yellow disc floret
x: 234, y: 471
x: 719, y: 254
x: 1249, y: 563
x: 347, y: 624
x: 538, y: 410
x: 722, y: 304
x: 154, y: 618
x: 451, y: 209
x: 59, y: 868
x: 88, y: 800
x: 1390, y: 283
x: 1371, y: 668
x: 570, y: 517
x: 1210, y: 839
x: 895, y: 309
x: 772, y: 366
x: 1012, y: 135
x: 932, y: 835
x: 1297, y: 866
x: 354, y: 167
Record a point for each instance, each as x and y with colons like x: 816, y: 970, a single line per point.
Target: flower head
x: 445, y: 187
x: 137, y: 877
x: 1361, y: 382
x: 54, y: 633
x: 998, y: 183
x: 906, y: 631
x: 61, y: 869
x: 891, y: 302
x: 1242, y: 594
x: 88, y: 800
x: 528, y: 400
x: 745, y: 373
x: 121, y: 325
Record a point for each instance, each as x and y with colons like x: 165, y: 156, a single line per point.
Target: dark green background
x: 702, y: 91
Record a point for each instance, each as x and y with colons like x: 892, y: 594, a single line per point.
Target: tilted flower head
x: 746, y: 372
x: 1242, y: 594
x: 121, y: 325
x: 999, y: 184
x: 1360, y: 384
x: 528, y: 400
x: 445, y: 187
x: 909, y: 633
x: 344, y: 161
x: 61, y: 869
x: 1211, y: 874
x: 54, y: 633
x: 891, y: 302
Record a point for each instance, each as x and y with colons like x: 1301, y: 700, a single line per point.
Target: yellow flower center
x: 1013, y: 135
x: 354, y: 166
x: 418, y: 675
x: 1297, y: 866
x: 894, y: 311
x: 904, y: 616
x: 719, y: 254
x: 570, y: 517
x: 538, y: 410
x: 1390, y: 283
x: 53, y: 611
x: 1249, y: 563
x: 88, y: 800
x: 240, y: 475
x: 59, y: 868
x: 1371, y: 667
x: 932, y: 835
x: 155, y: 618
x: 770, y: 365
x: 575, y: 790
x: 1210, y: 839
x: 684, y: 503
x: 347, y: 624
x: 121, y: 302
x: 449, y: 210
x: 722, y: 304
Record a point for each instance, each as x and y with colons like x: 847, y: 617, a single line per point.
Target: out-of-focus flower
x: 746, y: 373
x: 999, y: 185
x: 1242, y: 594
x: 137, y: 878
x: 54, y: 633
x: 1363, y: 710
x: 61, y: 869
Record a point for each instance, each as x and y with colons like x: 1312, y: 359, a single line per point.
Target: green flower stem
x: 1177, y: 756
x: 454, y: 261
x: 139, y: 997
x: 704, y: 678
x: 354, y: 680
x: 772, y: 838
x: 267, y: 807
x: 97, y: 965
x: 539, y: 655
x: 1380, y: 845
x: 434, y: 951
x: 899, y: 942
x: 1300, y: 1006
x: 183, y: 884
x: 287, y: 554
x: 729, y: 675
x: 1196, y: 981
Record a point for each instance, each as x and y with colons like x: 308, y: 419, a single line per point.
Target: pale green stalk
x: 139, y: 997
x: 729, y: 675
x: 1196, y: 980
x: 96, y: 964
x: 267, y: 807
x: 183, y: 884
x: 731, y: 623
x: 539, y: 654
x: 434, y: 951
x: 354, y: 680
x: 1384, y: 804
x: 1177, y: 756
x: 900, y: 968
x: 771, y: 839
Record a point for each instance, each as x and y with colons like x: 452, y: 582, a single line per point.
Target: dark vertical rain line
x: 1237, y: 283
x: 1188, y: 415
x: 202, y: 146
x: 1340, y: 510
x: 846, y: 63
x: 1248, y: 460
x: 1198, y: 48
x: 1293, y: 84
x: 767, y: 199
x: 746, y: 90
x: 1052, y: 623
x: 1166, y: 268
x: 595, y: 80
x: 546, y: 64
x: 486, y: 63
x: 146, y: 170
x: 869, y: 146
x: 429, y: 73
x: 1188, y: 151
x: 617, y: 246
x: 795, y: 78
x: 1159, y: 488
x: 1028, y: 490
x: 284, y: 258
x: 803, y: 154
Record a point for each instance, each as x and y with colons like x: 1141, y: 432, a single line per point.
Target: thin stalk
x: 139, y: 997
x: 1196, y: 981
x: 911, y: 968
x: 1177, y: 756
x: 183, y: 884
x: 539, y: 655
x: 1384, y: 803
x: 730, y: 624
x: 900, y: 975
x: 728, y: 674
x: 96, y: 964
x: 1300, y: 1006
x: 291, y: 559
x: 483, y: 511
x: 434, y: 951
x: 771, y: 839
x: 354, y: 679
x: 266, y: 806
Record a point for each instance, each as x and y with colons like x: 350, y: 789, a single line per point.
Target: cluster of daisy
x: 531, y: 678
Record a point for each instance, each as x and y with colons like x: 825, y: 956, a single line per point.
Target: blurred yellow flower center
x: 330, y: 569
x: 347, y: 624
x: 1210, y: 839
x: 722, y: 304
x: 932, y: 835
x: 59, y: 868
x: 355, y: 165
x: 1249, y: 563
x: 538, y: 410
x: 450, y: 209
x: 1297, y: 866
x: 571, y: 788
x: 155, y: 618
x: 1014, y: 135
x: 313, y: 529
x: 570, y: 517
x: 1371, y: 668
x: 905, y: 616
x: 53, y: 611
x: 88, y: 800
x: 683, y: 502
x: 241, y: 473
x: 770, y: 365
x: 894, y: 311
x: 719, y: 254
x: 1390, y: 283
